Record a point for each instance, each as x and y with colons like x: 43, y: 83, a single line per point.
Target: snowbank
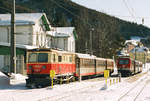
x: 4, y: 80
x: 146, y: 67
x: 17, y: 78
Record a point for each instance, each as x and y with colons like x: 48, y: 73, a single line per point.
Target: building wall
x: 130, y: 47
x: 65, y: 43
x: 71, y: 44
x: 20, y: 65
x: 49, y: 41
x: 60, y: 43
x: 39, y: 35
x: 4, y: 34
x: 33, y: 35
x: 1, y: 61
x: 140, y: 56
x: 23, y: 34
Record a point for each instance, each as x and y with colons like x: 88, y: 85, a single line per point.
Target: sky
x: 129, y: 10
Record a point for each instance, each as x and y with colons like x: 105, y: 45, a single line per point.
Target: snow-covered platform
x: 4, y: 80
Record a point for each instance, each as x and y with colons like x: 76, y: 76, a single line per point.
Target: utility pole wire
x: 129, y: 10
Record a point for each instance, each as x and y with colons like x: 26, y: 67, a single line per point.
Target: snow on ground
x: 89, y: 90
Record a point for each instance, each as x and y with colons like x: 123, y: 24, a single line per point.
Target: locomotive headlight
x: 44, y: 67
x: 30, y: 67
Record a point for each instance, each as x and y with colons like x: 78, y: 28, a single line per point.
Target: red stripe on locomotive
x: 35, y: 68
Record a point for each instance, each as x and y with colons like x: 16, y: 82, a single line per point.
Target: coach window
x: 54, y: 58
x: 70, y: 59
x: 49, y: 57
x: 32, y: 57
x: 59, y: 58
x: 64, y: 59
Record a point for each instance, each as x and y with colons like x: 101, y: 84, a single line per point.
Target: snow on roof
x: 21, y: 18
x: 100, y: 59
x: 18, y: 22
x: 134, y: 42
x: 18, y: 45
x: 65, y: 30
x: 61, y: 35
x: 80, y: 55
x: 51, y: 33
x: 61, y: 31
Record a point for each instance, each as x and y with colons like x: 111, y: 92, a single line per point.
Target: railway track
x: 134, y: 78
x: 133, y: 93
x: 67, y: 94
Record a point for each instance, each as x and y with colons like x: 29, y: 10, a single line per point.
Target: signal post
x: 52, y: 75
x: 106, y: 75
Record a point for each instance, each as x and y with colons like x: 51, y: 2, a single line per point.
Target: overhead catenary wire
x: 137, y: 17
x: 132, y: 15
x: 130, y: 12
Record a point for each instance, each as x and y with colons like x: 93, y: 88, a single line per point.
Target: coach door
x: 54, y: 62
x: 60, y: 64
x: 78, y: 66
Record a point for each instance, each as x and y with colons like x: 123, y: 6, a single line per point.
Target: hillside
x: 109, y: 32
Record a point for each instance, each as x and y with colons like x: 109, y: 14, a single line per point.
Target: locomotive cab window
x: 42, y: 57
x: 123, y: 61
x: 32, y: 57
x: 38, y: 57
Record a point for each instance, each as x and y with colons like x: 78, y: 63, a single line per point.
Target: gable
x: 45, y: 23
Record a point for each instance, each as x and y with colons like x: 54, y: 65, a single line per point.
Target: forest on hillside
x: 108, y: 32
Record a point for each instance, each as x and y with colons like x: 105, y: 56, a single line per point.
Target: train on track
x: 67, y: 65
x: 127, y: 66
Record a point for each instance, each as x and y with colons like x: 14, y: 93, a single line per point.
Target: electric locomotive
x: 41, y: 61
x: 127, y: 66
